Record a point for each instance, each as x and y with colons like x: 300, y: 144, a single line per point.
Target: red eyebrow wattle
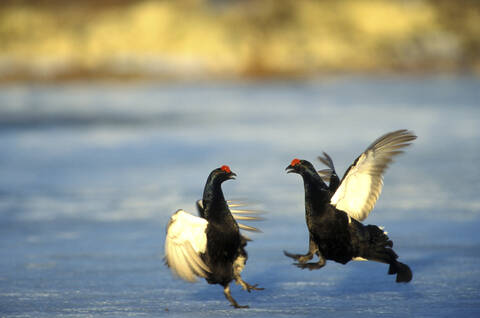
x: 226, y: 169
x: 294, y: 162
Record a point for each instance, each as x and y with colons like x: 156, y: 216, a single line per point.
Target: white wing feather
x: 363, y: 182
x: 186, y: 239
x: 238, y: 214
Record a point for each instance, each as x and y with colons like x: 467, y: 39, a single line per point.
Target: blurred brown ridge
x: 45, y: 40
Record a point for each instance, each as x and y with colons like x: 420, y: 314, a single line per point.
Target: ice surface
x: 89, y: 175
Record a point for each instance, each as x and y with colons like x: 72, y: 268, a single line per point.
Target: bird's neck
x: 214, y: 203
x: 316, y: 195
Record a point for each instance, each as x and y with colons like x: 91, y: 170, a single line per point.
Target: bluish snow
x: 90, y: 174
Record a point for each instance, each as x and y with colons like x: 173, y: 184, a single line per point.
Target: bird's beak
x: 232, y: 175
x: 290, y: 169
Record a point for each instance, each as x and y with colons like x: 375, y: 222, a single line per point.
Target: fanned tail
x: 404, y: 274
x: 239, y: 213
x: 379, y: 239
x: 381, y: 251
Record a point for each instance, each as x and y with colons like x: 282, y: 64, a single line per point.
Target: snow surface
x: 90, y: 174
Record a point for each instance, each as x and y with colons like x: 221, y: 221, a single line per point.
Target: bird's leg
x: 311, y: 266
x: 312, y: 249
x: 246, y: 286
x: 233, y: 302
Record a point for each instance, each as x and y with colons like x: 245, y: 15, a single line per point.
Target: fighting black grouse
x: 334, y: 213
x: 209, y: 246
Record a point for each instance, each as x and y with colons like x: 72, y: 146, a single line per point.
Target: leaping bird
x: 334, y: 213
x: 210, y: 246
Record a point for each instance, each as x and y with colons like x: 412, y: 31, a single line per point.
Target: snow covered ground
x: 90, y: 174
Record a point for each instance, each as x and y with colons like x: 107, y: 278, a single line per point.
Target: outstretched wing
x: 363, y: 181
x: 186, y: 239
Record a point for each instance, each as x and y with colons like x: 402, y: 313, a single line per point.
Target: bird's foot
x: 233, y: 302
x: 299, y: 257
x: 246, y: 286
x: 253, y: 287
x: 310, y: 266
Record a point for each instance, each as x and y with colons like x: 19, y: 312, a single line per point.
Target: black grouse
x: 333, y: 213
x: 209, y: 246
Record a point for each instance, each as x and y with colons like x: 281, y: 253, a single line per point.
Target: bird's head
x: 301, y: 167
x: 222, y: 174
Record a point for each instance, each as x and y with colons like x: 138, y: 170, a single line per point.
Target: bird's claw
x: 309, y: 266
x: 299, y: 257
x: 246, y: 286
x: 253, y: 287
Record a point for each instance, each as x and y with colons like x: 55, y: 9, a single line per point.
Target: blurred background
x: 125, y: 39
x: 114, y: 112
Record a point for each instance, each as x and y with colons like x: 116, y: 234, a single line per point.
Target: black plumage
x: 222, y: 256
x: 335, y: 234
